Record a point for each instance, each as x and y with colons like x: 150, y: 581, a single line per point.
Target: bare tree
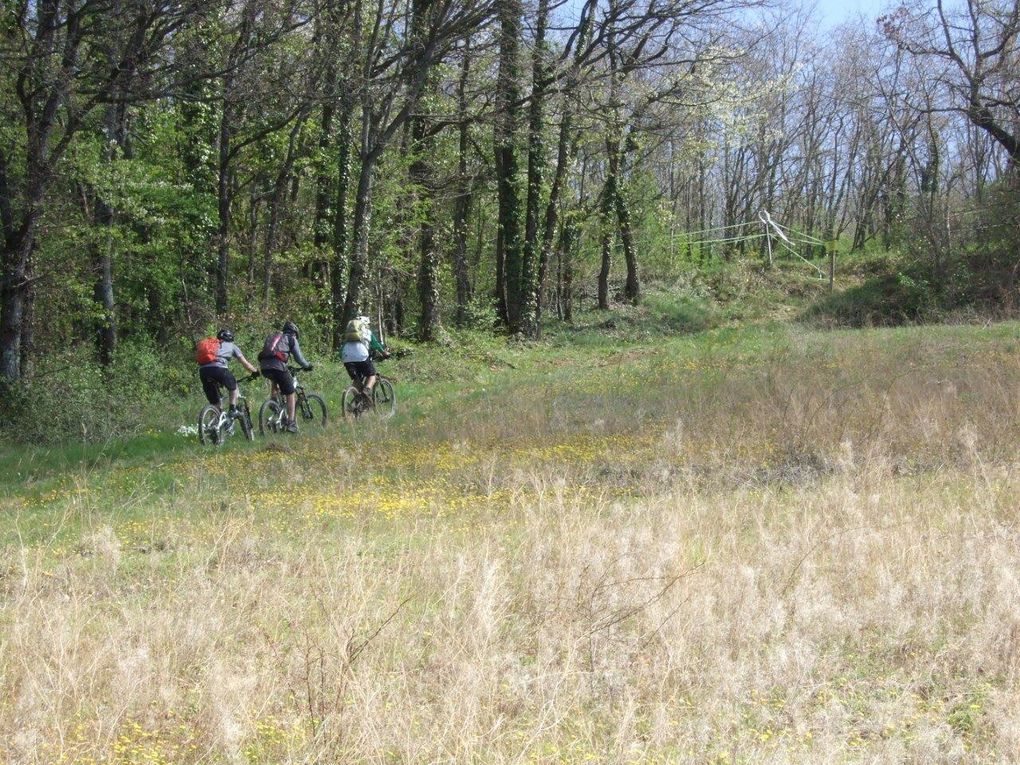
x: 976, y: 54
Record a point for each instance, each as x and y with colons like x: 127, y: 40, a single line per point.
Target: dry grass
x: 744, y: 555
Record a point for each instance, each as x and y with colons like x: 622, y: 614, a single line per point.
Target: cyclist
x: 215, y: 373
x: 278, y: 348
x: 356, y: 353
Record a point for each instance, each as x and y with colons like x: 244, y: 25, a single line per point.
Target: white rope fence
x: 773, y: 232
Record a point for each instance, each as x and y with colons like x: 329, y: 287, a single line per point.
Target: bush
x: 888, y: 300
x: 76, y: 400
x: 677, y: 314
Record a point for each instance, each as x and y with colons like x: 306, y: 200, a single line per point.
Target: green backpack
x: 357, y: 332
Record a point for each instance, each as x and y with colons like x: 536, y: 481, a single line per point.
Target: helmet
x: 225, y: 335
x: 289, y: 328
x: 364, y: 319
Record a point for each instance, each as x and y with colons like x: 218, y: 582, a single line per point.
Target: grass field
x: 759, y: 545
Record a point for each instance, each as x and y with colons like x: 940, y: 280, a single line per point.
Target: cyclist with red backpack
x: 278, y: 348
x: 213, y: 355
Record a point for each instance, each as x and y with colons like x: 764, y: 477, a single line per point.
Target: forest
x: 171, y: 166
x: 702, y: 424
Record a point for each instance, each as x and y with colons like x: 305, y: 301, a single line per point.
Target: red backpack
x: 269, y: 350
x: 207, y: 350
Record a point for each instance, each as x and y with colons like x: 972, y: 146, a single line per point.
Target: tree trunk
x: 14, y: 292
x: 462, y: 204
x: 528, y: 292
x: 28, y: 325
x: 422, y: 174
x: 508, y: 244
x: 106, y: 335
x: 338, y: 269
x: 568, y: 236
x: 320, y: 228
x: 605, y: 215
x: 632, y: 287
x: 362, y: 223
x: 428, y: 266
x: 276, y: 206
x: 566, y: 149
x: 223, y: 198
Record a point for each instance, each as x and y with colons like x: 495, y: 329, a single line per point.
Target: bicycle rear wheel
x: 209, y: 426
x: 384, y: 397
x: 350, y: 403
x: 313, y: 409
x: 269, y: 416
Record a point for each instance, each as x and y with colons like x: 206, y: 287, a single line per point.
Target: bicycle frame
x: 307, y: 406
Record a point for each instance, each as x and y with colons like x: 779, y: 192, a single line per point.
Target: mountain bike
x: 355, y: 401
x: 310, y: 408
x: 215, y: 425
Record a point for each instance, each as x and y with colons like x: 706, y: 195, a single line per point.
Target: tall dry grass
x: 712, y: 561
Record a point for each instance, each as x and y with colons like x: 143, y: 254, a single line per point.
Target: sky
x: 833, y: 12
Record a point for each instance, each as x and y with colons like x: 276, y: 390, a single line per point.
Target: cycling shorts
x: 358, y: 369
x: 212, y: 378
x: 282, y: 378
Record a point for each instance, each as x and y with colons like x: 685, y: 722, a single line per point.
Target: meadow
x: 760, y: 545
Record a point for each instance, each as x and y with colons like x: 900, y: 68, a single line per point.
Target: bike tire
x: 246, y: 426
x: 384, y: 397
x: 209, y: 426
x: 313, y: 409
x: 349, y: 408
x: 269, y: 416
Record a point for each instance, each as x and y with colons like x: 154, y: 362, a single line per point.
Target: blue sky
x: 832, y: 12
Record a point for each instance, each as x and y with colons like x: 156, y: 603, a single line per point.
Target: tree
x: 63, y: 61
x: 976, y: 55
x: 390, y: 75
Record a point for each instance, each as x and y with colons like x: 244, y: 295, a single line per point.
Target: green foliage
x: 886, y: 300
x: 678, y: 314
x: 73, y: 399
x: 480, y: 313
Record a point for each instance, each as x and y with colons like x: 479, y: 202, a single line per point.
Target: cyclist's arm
x: 298, y: 356
x: 375, y: 345
x: 245, y: 363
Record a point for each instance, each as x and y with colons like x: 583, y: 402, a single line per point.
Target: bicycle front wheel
x: 350, y: 403
x: 313, y: 409
x: 245, y: 420
x: 209, y: 426
x: 269, y: 416
x: 384, y: 397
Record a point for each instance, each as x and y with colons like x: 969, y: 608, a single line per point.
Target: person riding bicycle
x: 278, y: 348
x: 356, y: 353
x: 213, y: 357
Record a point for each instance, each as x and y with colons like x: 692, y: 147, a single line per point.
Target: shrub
x: 75, y: 399
x: 887, y: 300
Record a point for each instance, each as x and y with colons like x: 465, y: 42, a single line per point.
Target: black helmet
x: 225, y: 335
x: 289, y: 328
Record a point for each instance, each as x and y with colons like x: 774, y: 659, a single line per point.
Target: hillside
x: 765, y: 544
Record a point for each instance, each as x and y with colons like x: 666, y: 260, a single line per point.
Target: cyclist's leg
x: 366, y: 371
x: 231, y: 384
x: 269, y: 374
x: 285, y: 381
x: 211, y: 382
x: 352, y: 371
